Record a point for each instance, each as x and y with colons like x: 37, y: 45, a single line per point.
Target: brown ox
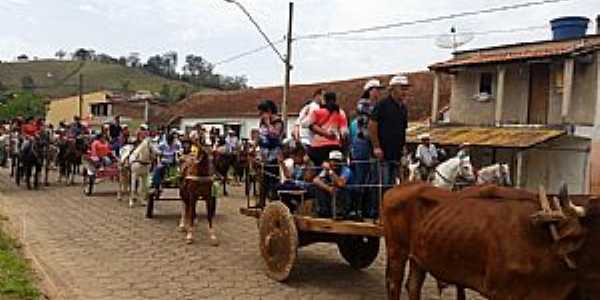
x: 483, y: 239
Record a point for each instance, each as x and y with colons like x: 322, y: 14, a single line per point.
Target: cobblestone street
x: 98, y: 248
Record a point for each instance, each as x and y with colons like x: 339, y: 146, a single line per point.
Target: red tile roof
x: 243, y: 103
x: 520, y: 52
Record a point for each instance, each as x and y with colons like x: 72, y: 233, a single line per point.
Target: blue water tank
x: 569, y: 27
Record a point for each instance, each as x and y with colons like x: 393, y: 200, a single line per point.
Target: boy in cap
x: 332, y: 185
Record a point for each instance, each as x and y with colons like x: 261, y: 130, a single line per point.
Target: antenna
x: 454, y: 40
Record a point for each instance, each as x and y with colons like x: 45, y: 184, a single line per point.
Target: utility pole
x: 80, y: 104
x: 288, y: 69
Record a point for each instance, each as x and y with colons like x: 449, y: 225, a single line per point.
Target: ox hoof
x: 181, y: 228
x: 131, y: 204
x: 189, y: 239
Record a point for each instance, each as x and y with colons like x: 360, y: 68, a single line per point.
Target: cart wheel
x: 150, y: 204
x: 359, y: 251
x: 278, y: 240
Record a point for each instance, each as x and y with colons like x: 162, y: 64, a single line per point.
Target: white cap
x: 399, y: 80
x: 124, y: 126
x: 194, y: 134
x: 423, y: 136
x: 144, y: 126
x: 336, y: 155
x: 373, y: 83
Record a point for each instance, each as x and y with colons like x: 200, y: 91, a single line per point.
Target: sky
x: 218, y: 30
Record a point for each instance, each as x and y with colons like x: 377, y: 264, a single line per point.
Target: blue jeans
x: 158, y: 174
x: 384, y: 173
x: 367, y: 204
x: 324, y: 203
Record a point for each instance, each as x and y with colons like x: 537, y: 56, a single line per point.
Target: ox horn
x: 568, y: 205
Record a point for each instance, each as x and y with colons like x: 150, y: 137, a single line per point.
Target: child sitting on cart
x: 332, y: 185
x: 297, y: 173
x: 169, y: 149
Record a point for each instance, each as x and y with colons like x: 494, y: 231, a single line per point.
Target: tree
x: 24, y: 104
x: 156, y: 65
x: 83, y: 54
x: 125, y: 86
x: 23, y: 57
x: 60, y: 54
x: 170, y: 60
x: 122, y: 61
x: 105, y: 58
x: 27, y: 83
x: 133, y: 60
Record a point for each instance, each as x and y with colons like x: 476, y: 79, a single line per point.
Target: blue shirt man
x: 332, y: 184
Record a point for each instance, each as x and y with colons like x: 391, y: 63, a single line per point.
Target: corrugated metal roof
x: 520, y: 52
x: 500, y: 137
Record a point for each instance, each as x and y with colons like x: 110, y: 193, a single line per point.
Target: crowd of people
x: 328, y: 156
x: 342, y: 163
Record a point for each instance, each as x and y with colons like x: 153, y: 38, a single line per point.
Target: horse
x: 196, y: 183
x: 498, y: 174
x: 124, y: 171
x: 223, y: 161
x: 31, y: 160
x: 69, y: 158
x: 447, y: 174
x: 140, y: 162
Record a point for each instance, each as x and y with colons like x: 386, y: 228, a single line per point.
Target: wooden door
x: 539, y: 94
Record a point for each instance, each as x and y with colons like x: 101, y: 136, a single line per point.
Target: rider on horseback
x: 427, y: 155
x: 169, y: 149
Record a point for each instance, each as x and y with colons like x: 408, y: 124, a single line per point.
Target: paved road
x: 98, y: 248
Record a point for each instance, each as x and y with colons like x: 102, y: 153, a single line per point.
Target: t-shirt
x: 426, y: 154
x: 306, y: 135
x: 335, y: 122
x: 115, y: 130
x: 392, y: 119
x: 343, y: 172
x: 100, y: 149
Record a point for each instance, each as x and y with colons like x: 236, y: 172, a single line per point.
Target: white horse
x: 447, y: 174
x: 496, y: 174
x: 140, y: 162
x: 124, y: 171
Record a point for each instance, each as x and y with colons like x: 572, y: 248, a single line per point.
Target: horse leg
x: 189, y: 221
x: 144, y: 187
x: 28, y: 176
x: 225, y: 185
x: 132, y: 191
x: 210, y: 213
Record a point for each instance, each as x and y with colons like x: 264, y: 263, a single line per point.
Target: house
x: 93, y: 104
x: 237, y: 109
x: 533, y: 105
x: 102, y: 106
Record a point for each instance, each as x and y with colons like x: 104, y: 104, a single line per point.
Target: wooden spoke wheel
x: 359, y: 251
x: 278, y: 240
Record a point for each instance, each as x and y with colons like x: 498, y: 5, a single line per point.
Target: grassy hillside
x: 64, y: 76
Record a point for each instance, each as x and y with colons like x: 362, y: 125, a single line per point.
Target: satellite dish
x: 454, y: 39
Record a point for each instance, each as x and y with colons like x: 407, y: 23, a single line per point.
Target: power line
x: 247, y: 53
x: 429, y: 20
x: 337, y: 34
x: 433, y: 35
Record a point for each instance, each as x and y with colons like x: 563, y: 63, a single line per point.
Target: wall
x: 247, y: 123
x: 584, y: 93
x: 565, y: 159
x: 135, y: 109
x: 465, y: 110
x: 66, y: 108
x: 516, y: 94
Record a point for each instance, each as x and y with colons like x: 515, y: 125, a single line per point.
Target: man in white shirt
x: 302, y: 133
x: 427, y: 154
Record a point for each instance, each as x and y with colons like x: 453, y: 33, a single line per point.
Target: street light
x: 285, y: 59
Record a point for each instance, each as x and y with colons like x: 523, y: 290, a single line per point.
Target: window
x: 99, y: 109
x: 486, y: 83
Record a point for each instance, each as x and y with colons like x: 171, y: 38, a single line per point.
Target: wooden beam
x: 436, y: 98
x: 338, y: 227
x: 500, y: 95
x: 519, y: 176
x: 595, y: 148
x: 569, y: 69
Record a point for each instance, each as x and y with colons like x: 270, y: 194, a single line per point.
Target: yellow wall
x: 66, y: 108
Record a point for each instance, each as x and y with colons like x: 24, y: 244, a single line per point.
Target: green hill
x: 54, y: 78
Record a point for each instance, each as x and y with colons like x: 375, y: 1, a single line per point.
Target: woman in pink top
x: 330, y: 127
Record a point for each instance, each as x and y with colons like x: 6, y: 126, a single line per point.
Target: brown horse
x: 197, y: 183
